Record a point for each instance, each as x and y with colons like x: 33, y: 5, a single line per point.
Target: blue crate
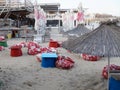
x: 114, y: 84
x: 48, y: 59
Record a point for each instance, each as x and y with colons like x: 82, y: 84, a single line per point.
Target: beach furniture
x: 2, y: 48
x: 3, y: 43
x: 114, y: 69
x: 90, y: 57
x: 54, y: 44
x: 64, y: 62
x: 103, y: 41
x: 48, y: 59
x: 2, y: 37
x: 114, y: 83
x: 15, y: 51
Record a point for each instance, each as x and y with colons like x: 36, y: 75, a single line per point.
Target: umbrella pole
x: 108, y: 71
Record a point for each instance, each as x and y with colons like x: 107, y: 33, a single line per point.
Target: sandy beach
x: 26, y: 73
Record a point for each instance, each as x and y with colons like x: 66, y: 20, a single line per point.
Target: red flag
x: 36, y: 12
x: 80, y: 16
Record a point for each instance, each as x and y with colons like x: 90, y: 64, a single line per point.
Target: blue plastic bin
x: 48, y: 59
x: 114, y: 84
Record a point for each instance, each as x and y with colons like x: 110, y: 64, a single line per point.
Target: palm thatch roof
x: 79, y: 30
x: 104, y: 40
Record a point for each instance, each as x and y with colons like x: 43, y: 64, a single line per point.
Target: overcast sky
x: 94, y: 6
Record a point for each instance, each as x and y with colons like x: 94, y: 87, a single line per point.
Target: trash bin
x: 9, y: 35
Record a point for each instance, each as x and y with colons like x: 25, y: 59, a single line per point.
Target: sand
x: 26, y: 73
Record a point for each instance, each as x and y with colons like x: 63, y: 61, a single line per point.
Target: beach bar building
x: 13, y: 16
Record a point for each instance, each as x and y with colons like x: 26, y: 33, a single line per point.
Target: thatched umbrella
x: 97, y: 42
x: 103, y: 41
x: 78, y: 31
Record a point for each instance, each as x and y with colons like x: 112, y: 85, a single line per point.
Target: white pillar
x: 59, y: 18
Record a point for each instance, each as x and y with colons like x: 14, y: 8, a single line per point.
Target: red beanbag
x: 90, y: 57
x: 30, y: 44
x: 2, y: 38
x: 2, y: 48
x: 33, y: 51
x: 64, y: 62
x: 105, y: 70
x: 33, y: 48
